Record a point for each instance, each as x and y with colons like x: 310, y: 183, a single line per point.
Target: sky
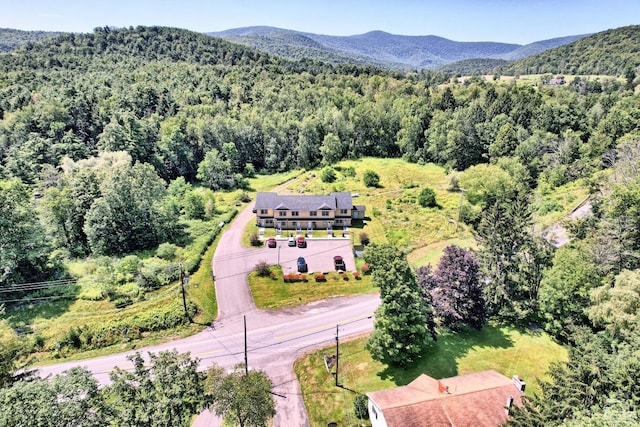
x: 507, y: 21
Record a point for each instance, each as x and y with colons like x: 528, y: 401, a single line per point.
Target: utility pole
x: 184, y: 297
x: 278, y: 255
x: 459, y: 208
x: 337, y: 354
x: 246, y: 363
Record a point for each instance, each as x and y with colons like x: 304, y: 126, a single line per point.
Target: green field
x: 504, y: 349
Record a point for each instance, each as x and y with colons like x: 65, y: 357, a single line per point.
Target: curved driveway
x: 275, y: 339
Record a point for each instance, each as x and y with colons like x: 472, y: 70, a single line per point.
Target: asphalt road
x: 274, y: 339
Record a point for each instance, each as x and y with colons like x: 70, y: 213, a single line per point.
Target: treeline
x: 11, y: 39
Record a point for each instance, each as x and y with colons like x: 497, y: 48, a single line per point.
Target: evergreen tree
x: 404, y: 325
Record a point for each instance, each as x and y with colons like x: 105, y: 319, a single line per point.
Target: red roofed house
x: 478, y: 399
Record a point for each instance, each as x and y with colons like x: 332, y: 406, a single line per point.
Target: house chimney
x: 519, y: 383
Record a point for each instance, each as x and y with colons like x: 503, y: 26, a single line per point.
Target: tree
x: 455, y: 289
x: 24, y: 252
x: 68, y: 400
x: 511, y: 260
x: 371, y: 178
x: 244, y: 398
x: 404, y: 326
x: 427, y: 198
x: 564, y: 290
x: 130, y: 214
x: 215, y: 171
x: 169, y: 392
x: 617, y: 307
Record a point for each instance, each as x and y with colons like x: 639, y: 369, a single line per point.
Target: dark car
x: 271, y: 242
x: 291, y: 241
x: 338, y: 262
x: 301, y: 242
x: 302, y: 265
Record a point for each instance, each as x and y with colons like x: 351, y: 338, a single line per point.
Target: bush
x: 262, y: 269
x: 365, y: 269
x: 360, y: 407
x: 364, y: 239
x: 254, y: 239
x: 319, y: 277
x: 328, y: 174
x: 356, y: 275
x: 427, y: 198
x: 167, y: 251
x: 371, y: 178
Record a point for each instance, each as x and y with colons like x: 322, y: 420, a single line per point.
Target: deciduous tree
x: 245, y: 399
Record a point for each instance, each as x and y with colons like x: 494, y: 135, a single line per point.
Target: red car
x: 339, y: 264
x: 271, y: 242
x: 301, y: 242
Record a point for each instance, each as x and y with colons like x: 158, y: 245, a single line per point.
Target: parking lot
x: 318, y: 254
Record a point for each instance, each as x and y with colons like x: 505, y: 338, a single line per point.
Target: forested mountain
x: 11, y: 39
x: 610, y: 52
x: 380, y: 48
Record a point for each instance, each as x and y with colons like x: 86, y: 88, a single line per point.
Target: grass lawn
x: 504, y: 349
x: 274, y: 294
x: 551, y: 206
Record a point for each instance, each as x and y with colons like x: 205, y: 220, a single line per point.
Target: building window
x: 325, y: 213
x: 343, y: 211
x: 313, y: 213
x: 264, y: 211
x: 282, y: 213
x: 338, y: 221
x: 294, y: 213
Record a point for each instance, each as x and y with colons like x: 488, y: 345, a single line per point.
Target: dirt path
x: 557, y: 235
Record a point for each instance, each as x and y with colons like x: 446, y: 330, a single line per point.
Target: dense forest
x: 104, y: 138
x: 11, y: 39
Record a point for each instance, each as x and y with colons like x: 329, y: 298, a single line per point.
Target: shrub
x: 254, y: 239
x: 319, y: 277
x: 167, y: 251
x: 360, y: 407
x: 273, y: 275
x: 364, y: 239
x: 427, y: 198
x: 365, y: 269
x: 262, y: 269
x: 345, y: 276
x: 328, y: 174
x: 356, y: 275
x: 349, y: 171
x: 371, y: 178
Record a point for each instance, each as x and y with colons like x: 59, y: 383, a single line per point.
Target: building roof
x: 477, y: 399
x: 332, y: 201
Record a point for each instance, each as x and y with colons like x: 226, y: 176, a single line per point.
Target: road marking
x: 320, y: 328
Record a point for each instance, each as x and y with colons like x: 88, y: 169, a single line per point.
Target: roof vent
x: 509, y: 403
x: 519, y: 383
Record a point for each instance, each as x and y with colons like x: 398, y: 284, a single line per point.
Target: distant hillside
x: 609, y: 52
x: 11, y: 39
x: 379, y: 48
x: 469, y: 67
x: 541, y: 46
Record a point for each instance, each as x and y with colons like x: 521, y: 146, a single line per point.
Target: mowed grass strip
x: 504, y: 349
x: 275, y: 293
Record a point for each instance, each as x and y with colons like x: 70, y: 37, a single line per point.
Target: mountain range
x: 382, y: 49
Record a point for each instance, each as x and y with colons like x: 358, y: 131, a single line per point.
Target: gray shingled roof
x: 304, y: 202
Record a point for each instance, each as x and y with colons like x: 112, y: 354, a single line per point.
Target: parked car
x: 302, y: 265
x: 302, y: 243
x: 292, y: 241
x: 339, y: 264
x: 271, y: 242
